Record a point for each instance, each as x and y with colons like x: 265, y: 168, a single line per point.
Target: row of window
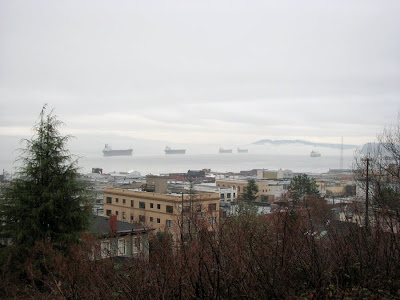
x: 228, y: 195
x: 142, y: 205
x: 105, y: 247
x: 141, y: 219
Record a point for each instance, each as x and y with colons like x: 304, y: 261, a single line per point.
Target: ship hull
x: 127, y: 152
x: 225, y: 150
x: 177, y: 151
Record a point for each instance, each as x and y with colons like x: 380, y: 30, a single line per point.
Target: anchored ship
x: 221, y: 150
x: 242, y: 150
x: 168, y: 150
x: 315, y: 154
x: 108, y: 151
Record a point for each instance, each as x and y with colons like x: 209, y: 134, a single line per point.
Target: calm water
x: 156, y: 164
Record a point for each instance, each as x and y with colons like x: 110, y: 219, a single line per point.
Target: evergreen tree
x: 46, y: 203
x: 249, y: 195
x: 300, y: 186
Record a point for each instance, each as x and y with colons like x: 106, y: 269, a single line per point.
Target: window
x: 123, y: 215
x: 234, y: 195
x: 212, y: 207
x: 151, y: 219
x: 158, y: 220
x: 108, y: 212
x: 213, y: 220
x: 228, y: 195
x: 199, y: 208
x: 109, y: 200
x: 131, y: 217
x: 116, y: 212
x: 142, y: 205
x: 158, y: 206
x: 222, y: 196
x: 151, y: 205
x: 116, y: 200
x: 135, y: 244
x: 169, y: 223
x: 105, y: 249
x: 131, y: 203
x: 123, y: 201
x: 142, y: 218
x: 169, y: 209
x: 121, y: 247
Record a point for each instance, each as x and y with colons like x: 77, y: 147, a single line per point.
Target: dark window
x: 131, y: 217
x: 151, y: 219
x: 151, y: 205
x: 108, y: 212
x: 169, y: 223
x: 228, y: 195
x: 212, y: 207
x: 142, y: 205
x: 199, y: 208
x: 222, y: 195
x: 116, y: 212
x: 158, y: 221
x: 131, y: 203
x: 116, y: 200
x: 158, y: 206
x: 142, y: 218
x: 109, y: 200
x: 169, y: 209
x: 123, y: 201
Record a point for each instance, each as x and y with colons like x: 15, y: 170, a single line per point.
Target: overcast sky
x: 202, y: 71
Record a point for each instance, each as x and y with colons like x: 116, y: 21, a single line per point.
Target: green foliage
x: 46, y: 202
x: 250, y: 194
x: 302, y: 185
x: 246, y: 205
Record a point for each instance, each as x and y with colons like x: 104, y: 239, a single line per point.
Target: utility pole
x: 366, y: 196
x: 341, y: 154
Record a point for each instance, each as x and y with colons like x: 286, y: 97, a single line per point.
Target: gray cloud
x: 178, y: 69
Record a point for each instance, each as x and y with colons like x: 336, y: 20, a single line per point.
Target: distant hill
x: 286, y: 142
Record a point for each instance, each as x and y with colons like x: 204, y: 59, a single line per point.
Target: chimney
x: 113, y: 223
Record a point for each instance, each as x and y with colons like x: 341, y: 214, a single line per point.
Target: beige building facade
x: 266, y: 192
x: 161, y: 211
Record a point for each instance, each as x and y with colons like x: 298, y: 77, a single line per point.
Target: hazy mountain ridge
x: 286, y: 142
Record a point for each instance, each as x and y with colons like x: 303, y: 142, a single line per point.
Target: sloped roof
x: 101, y: 225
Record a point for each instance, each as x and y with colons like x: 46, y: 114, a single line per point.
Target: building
x: 155, y: 207
x: 275, y: 174
x: 266, y: 189
x: 119, y: 239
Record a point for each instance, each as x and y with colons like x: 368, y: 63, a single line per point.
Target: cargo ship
x: 221, y: 150
x: 168, y: 150
x: 315, y: 154
x: 242, y: 150
x: 108, y: 151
